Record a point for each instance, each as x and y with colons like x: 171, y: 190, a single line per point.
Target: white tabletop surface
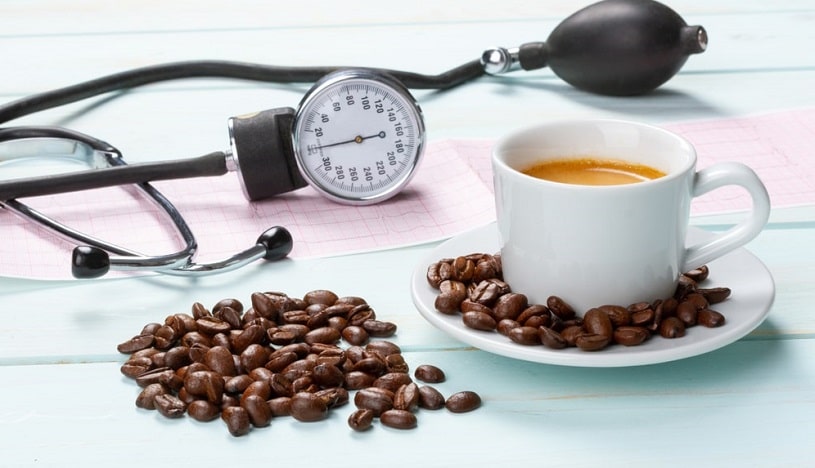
x: 66, y: 404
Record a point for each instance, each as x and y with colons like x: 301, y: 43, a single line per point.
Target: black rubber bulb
x: 89, y: 262
x: 617, y: 47
x: 278, y: 243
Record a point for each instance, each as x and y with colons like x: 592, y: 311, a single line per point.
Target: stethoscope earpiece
x: 89, y: 262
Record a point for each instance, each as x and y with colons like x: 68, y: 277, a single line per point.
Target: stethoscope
x: 357, y: 135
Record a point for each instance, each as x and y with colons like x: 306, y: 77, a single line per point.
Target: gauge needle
x: 356, y: 139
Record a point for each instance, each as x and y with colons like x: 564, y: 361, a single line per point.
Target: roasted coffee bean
x: 382, y: 348
x: 685, y: 286
x: 379, y: 328
x: 526, y: 336
x: 356, y: 380
x: 698, y: 274
x: 510, y: 305
x: 398, y: 419
x: 376, y: 399
x: 353, y: 300
x: 195, y: 338
x: 571, y: 333
x: 392, y: 381
x: 715, y: 295
x: 506, y: 325
x: 253, y: 334
x: 326, y: 375
x: 199, y: 310
x: 355, y: 335
x: 219, y: 359
x: 260, y: 415
x: 429, y: 373
x: 307, y: 407
x: 451, y: 294
x: 254, y: 356
x: 479, y: 321
x: 134, y: 367
x: 406, y: 397
x: 630, y: 336
x: 228, y: 315
x: 152, y: 376
x: 463, y: 402
x: 560, y: 308
x: 326, y: 335
x: 596, y: 321
x: 619, y: 315
x: 359, y: 314
x: 430, y: 398
x: 642, y: 317
x: 551, y: 338
x: 280, y: 406
x: 207, y: 384
x: 202, y: 410
x: 463, y: 269
x: 170, y: 406
x: 136, y: 343
x: 686, y: 311
x: 333, y: 397
x: 710, y: 318
x: 177, y: 357
x: 146, y: 398
x: 469, y: 306
x: 361, y: 420
x: 320, y: 296
x: 592, y: 341
x: 672, y: 327
x: 488, y: 291
x: 238, y: 384
x: 237, y: 420
x: 209, y: 325
x: 534, y: 310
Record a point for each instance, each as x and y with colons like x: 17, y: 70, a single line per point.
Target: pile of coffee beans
x: 472, y: 286
x: 281, y: 357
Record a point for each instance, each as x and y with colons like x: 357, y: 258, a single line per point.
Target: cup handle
x: 719, y: 175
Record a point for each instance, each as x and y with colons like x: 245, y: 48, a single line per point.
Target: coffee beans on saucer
x: 282, y: 356
x: 473, y: 286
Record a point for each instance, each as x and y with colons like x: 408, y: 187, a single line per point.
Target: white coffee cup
x: 618, y: 244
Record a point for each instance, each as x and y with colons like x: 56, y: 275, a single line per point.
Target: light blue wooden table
x: 64, y: 402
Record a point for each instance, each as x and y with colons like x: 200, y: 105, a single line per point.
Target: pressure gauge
x: 358, y: 136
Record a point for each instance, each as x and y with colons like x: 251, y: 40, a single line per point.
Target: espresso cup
x: 593, y: 245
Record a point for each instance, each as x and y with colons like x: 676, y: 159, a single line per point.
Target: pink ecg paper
x: 451, y: 193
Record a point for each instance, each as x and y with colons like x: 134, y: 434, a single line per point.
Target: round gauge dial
x: 358, y: 136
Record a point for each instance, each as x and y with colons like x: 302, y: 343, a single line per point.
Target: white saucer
x: 753, y: 292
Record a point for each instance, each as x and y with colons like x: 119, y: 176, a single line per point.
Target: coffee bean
x: 392, y: 381
x: 510, y: 305
x: 207, y: 384
x: 146, y: 398
x: 429, y: 373
x: 698, y: 274
x: 407, y: 397
x: 398, y: 419
x: 355, y: 335
x: 134, y: 367
x: 527, y: 336
x: 551, y: 338
x: 506, y: 325
x: 479, y: 321
x: 710, y: 318
x: 672, y: 327
x: 361, y: 420
x: 237, y: 420
x: 463, y: 402
x: 379, y: 329
x: 307, y: 407
x: 560, y: 308
x: 322, y: 335
x: 169, y: 405
x: 430, y: 398
x: 592, y: 341
x: 219, y: 359
x: 619, y: 315
x: 596, y: 321
x: 280, y: 406
x: 202, y: 410
x: 320, y: 296
x: 715, y: 295
x: 687, y: 312
x: 376, y: 399
x: 136, y: 343
x: 630, y: 336
x: 260, y: 415
x: 463, y: 269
